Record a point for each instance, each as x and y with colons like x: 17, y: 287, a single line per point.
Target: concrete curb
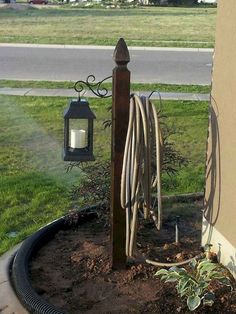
x: 71, y: 93
x: 93, y: 47
x: 9, y: 303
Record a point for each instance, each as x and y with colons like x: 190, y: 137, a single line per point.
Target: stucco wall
x: 220, y: 195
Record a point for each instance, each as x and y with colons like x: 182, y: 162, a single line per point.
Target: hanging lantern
x: 78, y: 131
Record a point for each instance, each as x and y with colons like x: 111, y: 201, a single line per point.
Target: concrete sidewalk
x: 72, y: 93
x: 9, y: 303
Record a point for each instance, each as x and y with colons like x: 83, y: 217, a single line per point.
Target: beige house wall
x: 219, y: 223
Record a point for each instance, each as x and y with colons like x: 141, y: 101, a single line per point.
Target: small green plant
x: 195, y: 284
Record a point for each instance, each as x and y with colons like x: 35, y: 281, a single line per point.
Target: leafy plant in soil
x: 195, y: 284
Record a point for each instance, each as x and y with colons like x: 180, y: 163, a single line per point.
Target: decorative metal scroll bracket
x: 95, y: 87
x: 98, y: 90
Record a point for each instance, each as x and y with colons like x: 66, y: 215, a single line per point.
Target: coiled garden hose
x: 143, y: 141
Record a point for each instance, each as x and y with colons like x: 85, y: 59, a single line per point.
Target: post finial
x: 121, y: 52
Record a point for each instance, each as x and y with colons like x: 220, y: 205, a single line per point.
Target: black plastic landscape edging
x: 20, y: 266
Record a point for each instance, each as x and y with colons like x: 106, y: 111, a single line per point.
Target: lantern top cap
x: 79, y: 109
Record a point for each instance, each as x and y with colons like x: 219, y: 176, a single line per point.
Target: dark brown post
x: 120, y: 117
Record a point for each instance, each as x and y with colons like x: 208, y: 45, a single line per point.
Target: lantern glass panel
x: 78, y: 133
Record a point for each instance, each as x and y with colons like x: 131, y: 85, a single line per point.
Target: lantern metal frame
x: 79, y: 109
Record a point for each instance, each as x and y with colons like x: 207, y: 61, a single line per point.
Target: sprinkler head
x: 177, y: 219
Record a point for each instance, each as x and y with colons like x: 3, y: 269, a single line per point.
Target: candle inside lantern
x: 78, y: 138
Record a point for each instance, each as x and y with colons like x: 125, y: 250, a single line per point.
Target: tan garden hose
x: 143, y: 141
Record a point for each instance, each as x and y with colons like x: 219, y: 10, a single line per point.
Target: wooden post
x: 120, y: 117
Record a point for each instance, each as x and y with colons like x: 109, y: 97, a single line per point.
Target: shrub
x: 175, y: 2
x: 95, y: 183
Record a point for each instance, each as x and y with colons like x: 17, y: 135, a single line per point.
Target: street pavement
x: 72, y: 63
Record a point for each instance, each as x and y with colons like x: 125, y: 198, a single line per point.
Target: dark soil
x: 74, y: 273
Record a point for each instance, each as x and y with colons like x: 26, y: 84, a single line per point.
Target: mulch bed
x: 73, y: 271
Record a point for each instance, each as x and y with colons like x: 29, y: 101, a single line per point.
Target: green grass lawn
x: 34, y: 184
x: 190, y: 120
x: 144, y: 26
